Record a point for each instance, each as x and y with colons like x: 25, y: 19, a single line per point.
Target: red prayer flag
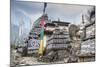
x: 42, y: 22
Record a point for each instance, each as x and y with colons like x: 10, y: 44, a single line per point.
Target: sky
x: 30, y: 11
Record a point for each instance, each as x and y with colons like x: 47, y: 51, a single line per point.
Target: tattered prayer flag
x: 42, y: 22
x: 42, y: 33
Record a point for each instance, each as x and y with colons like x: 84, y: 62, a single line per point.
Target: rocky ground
x: 17, y: 59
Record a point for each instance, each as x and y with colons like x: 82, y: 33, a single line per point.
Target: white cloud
x: 32, y: 17
x: 66, y: 12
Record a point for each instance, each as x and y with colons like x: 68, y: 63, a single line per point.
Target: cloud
x: 23, y: 12
x: 66, y: 12
x: 32, y: 17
